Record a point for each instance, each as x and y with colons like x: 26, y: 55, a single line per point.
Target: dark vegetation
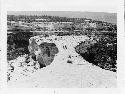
x: 103, y: 53
x: 17, y: 44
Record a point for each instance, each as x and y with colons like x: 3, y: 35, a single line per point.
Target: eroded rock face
x: 43, y: 53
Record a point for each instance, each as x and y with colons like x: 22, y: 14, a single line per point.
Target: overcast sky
x: 62, y: 5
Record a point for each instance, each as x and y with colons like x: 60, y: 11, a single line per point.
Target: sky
x: 61, y: 5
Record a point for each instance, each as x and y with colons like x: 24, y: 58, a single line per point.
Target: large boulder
x: 43, y: 53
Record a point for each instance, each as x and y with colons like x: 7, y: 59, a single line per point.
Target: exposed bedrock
x: 43, y: 53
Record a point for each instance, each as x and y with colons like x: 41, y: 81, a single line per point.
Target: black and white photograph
x: 62, y: 46
x: 59, y: 49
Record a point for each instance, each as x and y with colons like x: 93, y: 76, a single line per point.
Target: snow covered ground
x: 60, y: 74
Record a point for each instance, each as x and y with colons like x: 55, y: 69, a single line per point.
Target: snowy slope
x: 60, y: 74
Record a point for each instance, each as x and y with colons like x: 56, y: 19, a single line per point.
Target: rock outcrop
x: 43, y: 53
